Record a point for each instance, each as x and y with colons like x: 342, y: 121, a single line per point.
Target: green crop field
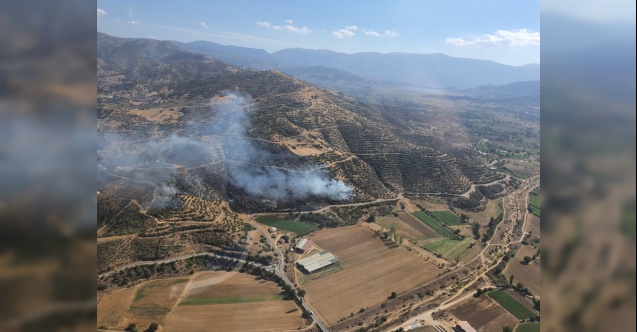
x: 447, y: 217
x: 535, y: 200
x: 286, y: 225
x: 230, y: 300
x: 535, y: 211
x: 511, y: 305
x: 528, y: 327
x: 434, y: 224
x: 449, y: 249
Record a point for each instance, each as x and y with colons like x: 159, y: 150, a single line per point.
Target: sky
x: 504, y: 31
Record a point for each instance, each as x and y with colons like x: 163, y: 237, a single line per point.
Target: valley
x: 210, y: 175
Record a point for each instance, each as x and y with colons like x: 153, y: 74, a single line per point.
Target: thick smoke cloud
x: 220, y: 141
x: 268, y: 182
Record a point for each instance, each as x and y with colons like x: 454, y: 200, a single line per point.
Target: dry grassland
x: 257, y: 316
x: 111, y: 307
x: 528, y: 275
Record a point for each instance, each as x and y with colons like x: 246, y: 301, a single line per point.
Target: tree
x: 527, y: 260
x: 507, y: 328
x: 478, y: 292
x: 511, y: 280
x: 132, y: 327
x: 393, y: 295
x: 371, y: 218
x: 301, y: 292
x: 153, y: 327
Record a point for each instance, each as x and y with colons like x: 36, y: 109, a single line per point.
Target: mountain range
x: 424, y: 70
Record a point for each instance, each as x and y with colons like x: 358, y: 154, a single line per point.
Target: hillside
x: 159, y: 122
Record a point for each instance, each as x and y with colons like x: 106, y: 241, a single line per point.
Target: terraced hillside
x: 150, y: 90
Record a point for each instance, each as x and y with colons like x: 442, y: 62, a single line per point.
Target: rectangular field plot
x: 512, y: 305
x: 286, y: 225
x: 435, y: 224
x: 528, y: 275
x: 484, y: 314
x: 111, y: 308
x: 257, y: 316
x: 447, y: 217
x: 402, y: 228
x: 372, y: 270
x: 230, y: 301
x: 528, y: 327
x: 449, y: 249
x: 418, y: 225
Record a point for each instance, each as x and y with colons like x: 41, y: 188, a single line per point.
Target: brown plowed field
x: 484, y: 314
x: 154, y: 300
x: 111, y: 308
x: 528, y: 275
x: 401, y: 227
x: 256, y: 316
x: 418, y: 225
x: 229, y: 285
x: 372, y: 270
x: 532, y: 224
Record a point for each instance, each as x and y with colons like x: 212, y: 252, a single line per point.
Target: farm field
x: 286, y: 225
x: 154, y: 300
x: 111, y: 308
x: 533, y: 224
x: 484, y: 314
x: 447, y: 217
x: 534, y: 204
x: 512, y: 305
x: 418, y: 225
x: 435, y: 224
x: 528, y: 327
x: 449, y: 249
x: 230, y: 301
x: 491, y: 210
x: 528, y: 275
x: 372, y: 270
x: 402, y: 228
x: 256, y: 316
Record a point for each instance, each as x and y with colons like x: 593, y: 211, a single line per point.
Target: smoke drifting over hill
x: 266, y: 181
x: 248, y: 167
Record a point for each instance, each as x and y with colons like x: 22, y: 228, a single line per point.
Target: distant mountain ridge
x: 426, y: 70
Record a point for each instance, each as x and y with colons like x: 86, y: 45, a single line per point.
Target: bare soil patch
x: 258, y: 316
x: 484, y: 314
x: 418, y: 225
x: 528, y: 275
x: 372, y: 270
x: 111, y: 308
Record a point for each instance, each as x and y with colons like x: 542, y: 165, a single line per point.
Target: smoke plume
x: 221, y: 140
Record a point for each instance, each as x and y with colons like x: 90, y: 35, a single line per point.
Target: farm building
x: 317, y: 261
x: 464, y: 326
x: 272, y: 230
x: 303, y: 245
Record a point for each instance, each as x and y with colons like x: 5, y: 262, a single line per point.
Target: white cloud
x: 522, y: 37
x: 387, y: 33
x: 289, y: 27
x: 204, y: 25
x: 391, y: 33
x: 346, y: 32
x: 302, y: 30
x: 101, y: 12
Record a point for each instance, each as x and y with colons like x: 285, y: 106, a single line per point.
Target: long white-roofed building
x: 317, y: 261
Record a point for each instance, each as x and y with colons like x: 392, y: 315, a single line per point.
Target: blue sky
x: 505, y: 31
